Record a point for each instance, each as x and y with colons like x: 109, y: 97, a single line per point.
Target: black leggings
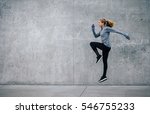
x: 105, y: 53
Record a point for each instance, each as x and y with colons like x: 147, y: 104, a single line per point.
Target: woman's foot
x: 102, y: 79
x: 98, y: 58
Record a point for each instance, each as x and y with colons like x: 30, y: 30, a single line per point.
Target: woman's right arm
x: 93, y: 30
x: 115, y: 31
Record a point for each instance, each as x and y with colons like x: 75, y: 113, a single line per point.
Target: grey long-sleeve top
x: 105, y: 32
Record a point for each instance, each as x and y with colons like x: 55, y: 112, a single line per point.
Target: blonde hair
x: 107, y: 22
x: 110, y: 23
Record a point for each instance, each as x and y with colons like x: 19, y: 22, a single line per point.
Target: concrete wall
x: 47, y: 41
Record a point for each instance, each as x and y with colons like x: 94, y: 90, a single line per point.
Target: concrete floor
x: 73, y: 91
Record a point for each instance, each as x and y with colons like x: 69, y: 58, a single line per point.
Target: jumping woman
x: 106, y: 28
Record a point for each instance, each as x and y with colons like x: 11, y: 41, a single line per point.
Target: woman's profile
x: 105, y: 46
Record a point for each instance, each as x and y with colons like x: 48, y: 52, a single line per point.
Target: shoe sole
x: 102, y: 80
x: 99, y: 60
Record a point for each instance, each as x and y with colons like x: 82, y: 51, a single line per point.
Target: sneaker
x: 103, y: 78
x: 98, y: 58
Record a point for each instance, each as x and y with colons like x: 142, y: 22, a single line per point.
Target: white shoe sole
x: 102, y: 80
x: 99, y: 59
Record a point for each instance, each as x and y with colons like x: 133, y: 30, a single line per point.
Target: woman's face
x: 100, y: 23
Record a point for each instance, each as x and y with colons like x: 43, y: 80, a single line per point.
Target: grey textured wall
x: 47, y: 41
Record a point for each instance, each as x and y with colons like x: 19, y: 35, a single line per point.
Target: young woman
x: 106, y: 28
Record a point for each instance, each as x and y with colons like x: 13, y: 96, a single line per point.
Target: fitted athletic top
x: 104, y: 33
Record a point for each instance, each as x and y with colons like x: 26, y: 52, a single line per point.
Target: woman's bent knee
x: 91, y: 43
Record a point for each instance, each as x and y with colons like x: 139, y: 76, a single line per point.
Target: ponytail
x: 109, y: 23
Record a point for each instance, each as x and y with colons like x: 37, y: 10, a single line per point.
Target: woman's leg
x: 95, y: 45
x: 105, y: 58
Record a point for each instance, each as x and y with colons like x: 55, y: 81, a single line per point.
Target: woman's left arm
x: 94, y: 33
x: 118, y: 32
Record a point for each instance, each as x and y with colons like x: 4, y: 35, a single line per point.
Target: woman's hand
x: 93, y: 26
x: 127, y: 36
